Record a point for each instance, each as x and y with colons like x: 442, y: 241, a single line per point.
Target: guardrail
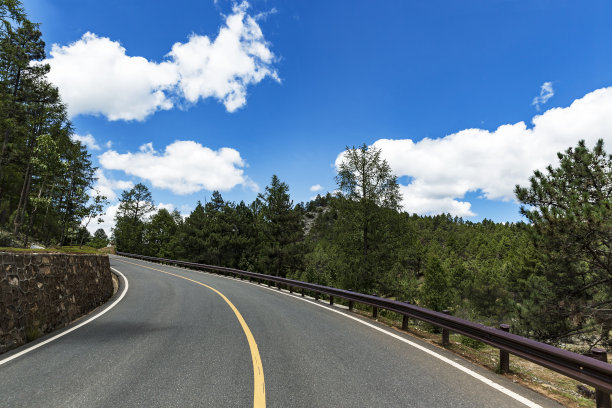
x: 595, y: 372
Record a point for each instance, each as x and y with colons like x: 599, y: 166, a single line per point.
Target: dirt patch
x: 108, y: 250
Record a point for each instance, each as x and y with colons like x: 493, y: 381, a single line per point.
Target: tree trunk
x: 23, y: 198
x: 47, y: 232
x: 33, y: 214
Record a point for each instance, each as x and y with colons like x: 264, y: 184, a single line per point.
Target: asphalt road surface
x: 181, y: 338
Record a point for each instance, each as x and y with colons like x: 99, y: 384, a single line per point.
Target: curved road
x: 180, y: 338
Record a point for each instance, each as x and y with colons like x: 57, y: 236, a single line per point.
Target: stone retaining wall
x: 43, y: 292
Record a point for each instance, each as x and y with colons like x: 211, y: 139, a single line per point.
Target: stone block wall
x: 42, y: 292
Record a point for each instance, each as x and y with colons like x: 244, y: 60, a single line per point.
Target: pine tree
x: 135, y: 206
x: 282, y: 231
x: 160, y: 234
x: 369, y: 195
x: 570, y: 208
x: 192, y: 236
x: 100, y: 239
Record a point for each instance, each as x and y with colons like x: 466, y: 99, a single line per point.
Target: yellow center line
x: 259, y: 386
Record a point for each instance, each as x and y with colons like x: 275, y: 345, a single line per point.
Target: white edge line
x: 432, y: 353
x: 21, y: 353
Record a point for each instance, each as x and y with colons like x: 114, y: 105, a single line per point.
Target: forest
x: 549, y: 277
x: 45, y: 175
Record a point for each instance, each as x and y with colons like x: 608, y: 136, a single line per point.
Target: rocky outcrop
x: 42, y: 292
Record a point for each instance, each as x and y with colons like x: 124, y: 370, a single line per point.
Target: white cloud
x: 444, y: 170
x: 96, y: 76
x: 108, y: 144
x: 223, y: 68
x: 546, y: 92
x: 316, y: 187
x: 184, y: 167
x: 107, y: 187
x: 87, y: 140
x: 168, y: 207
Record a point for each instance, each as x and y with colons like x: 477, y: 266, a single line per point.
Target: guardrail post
x: 317, y: 296
x: 504, y: 357
x: 350, y: 305
x: 278, y: 286
x: 302, y: 292
x: 374, y: 309
x: 445, y: 333
x: 405, y: 320
x: 269, y: 284
x: 331, y: 300
x: 602, y: 398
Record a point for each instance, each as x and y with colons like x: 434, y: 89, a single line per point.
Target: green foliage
x: 160, y: 233
x: 135, y: 205
x: 435, y: 290
x: 45, y: 176
x: 369, y: 197
x: 32, y: 333
x: 472, y: 343
x: 570, y: 208
x: 281, y: 231
x: 99, y: 240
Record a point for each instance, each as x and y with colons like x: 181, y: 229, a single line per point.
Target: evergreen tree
x: 100, y: 239
x: 44, y: 175
x: 435, y: 291
x: 134, y: 207
x: 161, y: 232
x: 192, y: 236
x: 369, y: 195
x: 570, y: 208
x: 282, y: 231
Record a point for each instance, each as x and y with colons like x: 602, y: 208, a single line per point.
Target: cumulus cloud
x: 96, y: 76
x: 108, y: 187
x: 444, y: 170
x: 184, y: 167
x: 546, y: 92
x: 87, y: 140
x: 223, y: 68
x: 316, y: 187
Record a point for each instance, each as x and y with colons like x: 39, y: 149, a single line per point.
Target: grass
x: 65, y: 250
x: 542, y: 380
x: 32, y: 333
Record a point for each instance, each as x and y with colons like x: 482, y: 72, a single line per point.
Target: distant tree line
x: 549, y: 278
x: 45, y: 176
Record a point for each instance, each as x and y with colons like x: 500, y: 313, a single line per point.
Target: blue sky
x: 448, y: 90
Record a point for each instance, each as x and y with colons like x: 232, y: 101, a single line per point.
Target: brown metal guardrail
x: 595, y: 372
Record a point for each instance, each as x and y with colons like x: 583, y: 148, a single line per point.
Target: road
x: 180, y: 338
